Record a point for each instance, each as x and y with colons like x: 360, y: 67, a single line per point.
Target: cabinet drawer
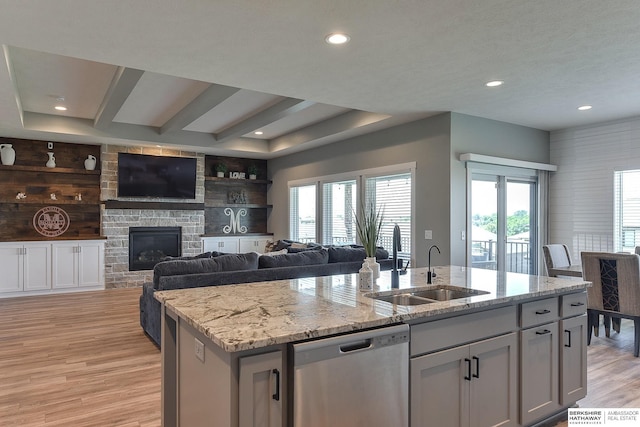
x: 538, y: 312
x: 573, y: 304
x: 440, y: 334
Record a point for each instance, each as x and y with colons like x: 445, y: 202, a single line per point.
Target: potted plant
x: 253, y: 171
x: 221, y: 169
x: 368, y: 226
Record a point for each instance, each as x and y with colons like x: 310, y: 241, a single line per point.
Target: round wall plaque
x: 51, y: 221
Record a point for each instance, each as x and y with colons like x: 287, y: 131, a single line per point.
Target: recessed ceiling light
x: 585, y: 107
x: 258, y: 132
x: 337, y: 38
x: 60, y: 108
x: 494, y: 83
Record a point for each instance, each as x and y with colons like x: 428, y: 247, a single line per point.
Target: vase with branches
x: 368, y: 226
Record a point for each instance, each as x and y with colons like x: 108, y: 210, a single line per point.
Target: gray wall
x: 476, y: 135
x: 425, y: 141
x: 435, y: 145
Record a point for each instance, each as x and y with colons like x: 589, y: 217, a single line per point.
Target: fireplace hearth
x: 150, y: 245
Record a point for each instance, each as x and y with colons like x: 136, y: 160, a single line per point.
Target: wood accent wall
x: 235, y: 194
x: 76, y: 190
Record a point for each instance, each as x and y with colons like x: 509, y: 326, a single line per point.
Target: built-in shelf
x: 48, y: 170
x: 173, y: 206
x: 238, y: 235
x: 47, y: 201
x: 238, y: 180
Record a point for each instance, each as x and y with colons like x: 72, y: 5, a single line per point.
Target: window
x: 341, y: 196
x: 302, y: 214
x: 393, y: 193
x: 627, y: 210
x: 338, y: 212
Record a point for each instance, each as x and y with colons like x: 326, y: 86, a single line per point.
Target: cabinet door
x: 260, y: 390
x: 90, y: 264
x: 223, y: 244
x: 253, y: 245
x: 573, y: 355
x: 494, y: 381
x: 11, y: 265
x: 65, y: 265
x: 440, y: 388
x: 539, y: 372
x: 37, y: 266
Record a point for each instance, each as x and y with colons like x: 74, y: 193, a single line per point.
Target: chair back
x: 637, y: 250
x: 615, y: 281
x: 555, y: 256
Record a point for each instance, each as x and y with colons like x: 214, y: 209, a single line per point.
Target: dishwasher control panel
x: 391, y: 339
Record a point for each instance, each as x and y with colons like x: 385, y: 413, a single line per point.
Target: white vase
x: 51, y: 163
x: 90, y: 163
x: 375, y: 267
x: 7, y: 154
x: 220, y: 174
x: 365, y: 277
x: 252, y: 176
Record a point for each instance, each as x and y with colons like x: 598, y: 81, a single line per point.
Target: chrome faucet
x: 397, y: 246
x: 430, y: 275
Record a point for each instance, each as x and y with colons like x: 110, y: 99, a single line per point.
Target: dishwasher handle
x: 355, y: 346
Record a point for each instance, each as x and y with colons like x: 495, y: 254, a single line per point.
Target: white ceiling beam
x: 274, y: 113
x: 335, y: 128
x: 121, y: 87
x: 203, y: 103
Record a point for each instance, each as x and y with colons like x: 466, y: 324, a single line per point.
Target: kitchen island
x: 226, y: 350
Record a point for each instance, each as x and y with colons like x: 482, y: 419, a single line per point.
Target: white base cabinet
x: 25, y: 266
x: 31, y: 268
x: 236, y: 244
x: 471, y: 385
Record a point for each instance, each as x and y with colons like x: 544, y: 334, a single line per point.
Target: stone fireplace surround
x: 116, y: 222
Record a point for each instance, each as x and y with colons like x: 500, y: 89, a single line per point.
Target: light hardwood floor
x: 82, y: 360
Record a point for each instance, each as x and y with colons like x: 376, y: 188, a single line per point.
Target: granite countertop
x: 253, y: 315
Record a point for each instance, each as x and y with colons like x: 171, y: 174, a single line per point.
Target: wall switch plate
x: 49, y: 145
x: 199, y: 350
x: 428, y: 234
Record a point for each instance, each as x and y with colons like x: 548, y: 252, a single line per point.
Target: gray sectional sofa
x: 214, y: 269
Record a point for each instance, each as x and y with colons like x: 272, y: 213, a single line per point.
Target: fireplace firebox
x: 150, y: 245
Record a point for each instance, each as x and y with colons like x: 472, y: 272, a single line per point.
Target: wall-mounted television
x: 141, y: 175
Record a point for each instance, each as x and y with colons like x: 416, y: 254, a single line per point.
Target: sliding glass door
x: 503, y: 223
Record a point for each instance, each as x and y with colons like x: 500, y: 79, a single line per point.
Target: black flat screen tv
x: 141, y: 175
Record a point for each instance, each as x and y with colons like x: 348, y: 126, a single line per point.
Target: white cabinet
x: 260, y: 390
x: 235, y: 244
x: 255, y: 244
x: 77, y: 264
x: 25, y: 266
x: 469, y: 385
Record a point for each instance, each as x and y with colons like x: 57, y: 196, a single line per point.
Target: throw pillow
x: 282, y: 252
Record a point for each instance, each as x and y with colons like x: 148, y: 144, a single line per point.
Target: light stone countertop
x: 254, y: 315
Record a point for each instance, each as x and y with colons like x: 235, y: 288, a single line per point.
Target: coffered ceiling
x: 208, y: 75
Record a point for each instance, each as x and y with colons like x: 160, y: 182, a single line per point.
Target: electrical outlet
x: 463, y: 235
x: 199, y: 350
x: 428, y: 234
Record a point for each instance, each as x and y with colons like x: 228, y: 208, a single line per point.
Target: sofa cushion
x: 184, y: 258
x: 320, y: 256
x: 230, y: 262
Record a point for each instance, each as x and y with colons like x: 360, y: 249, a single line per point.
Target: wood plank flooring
x: 82, y: 359
x: 77, y: 360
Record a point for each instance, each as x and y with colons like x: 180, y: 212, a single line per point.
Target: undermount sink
x: 446, y: 293
x: 429, y: 295
x: 403, y: 299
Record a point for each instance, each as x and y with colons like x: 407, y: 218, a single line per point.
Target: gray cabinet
x: 573, y: 348
x: 471, y: 385
x: 260, y: 390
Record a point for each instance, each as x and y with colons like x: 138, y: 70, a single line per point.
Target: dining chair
x: 615, y: 291
x: 556, y: 255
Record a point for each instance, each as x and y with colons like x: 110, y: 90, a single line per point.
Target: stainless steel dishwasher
x: 359, y: 379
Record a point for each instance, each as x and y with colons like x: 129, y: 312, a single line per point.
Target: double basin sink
x: 428, y: 295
